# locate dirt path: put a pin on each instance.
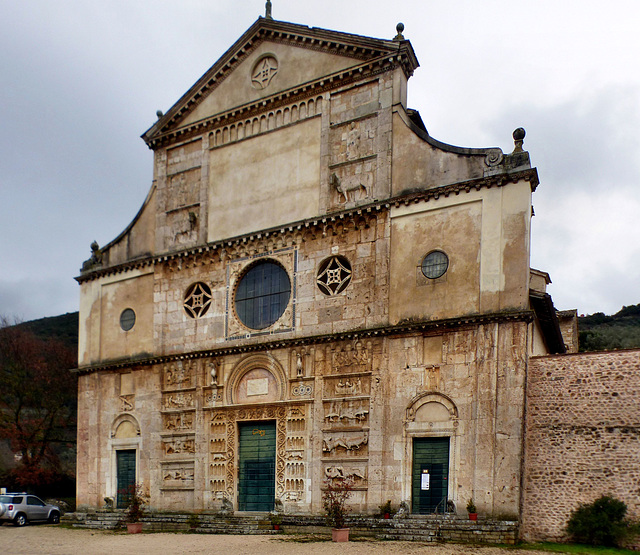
(55, 540)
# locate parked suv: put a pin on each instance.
(21, 508)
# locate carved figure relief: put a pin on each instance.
(213, 372)
(177, 401)
(178, 421)
(347, 442)
(349, 386)
(179, 446)
(179, 375)
(352, 358)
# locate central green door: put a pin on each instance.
(257, 466)
(126, 476)
(430, 480)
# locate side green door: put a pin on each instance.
(257, 466)
(430, 479)
(126, 475)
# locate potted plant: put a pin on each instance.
(385, 510)
(471, 509)
(135, 510)
(276, 520)
(334, 498)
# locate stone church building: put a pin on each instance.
(314, 289)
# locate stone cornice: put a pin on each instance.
(292, 233)
(403, 328)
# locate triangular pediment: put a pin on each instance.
(271, 60)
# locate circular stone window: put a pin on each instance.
(264, 70)
(334, 275)
(435, 264)
(262, 295)
(197, 300)
(127, 319)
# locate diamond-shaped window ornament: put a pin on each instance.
(197, 300)
(334, 275)
(263, 72)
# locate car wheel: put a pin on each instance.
(20, 520)
(54, 517)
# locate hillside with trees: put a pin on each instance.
(599, 332)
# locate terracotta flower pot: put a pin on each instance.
(473, 516)
(134, 527)
(340, 534)
(387, 515)
(276, 527)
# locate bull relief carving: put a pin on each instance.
(346, 443)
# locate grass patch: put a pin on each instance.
(574, 548)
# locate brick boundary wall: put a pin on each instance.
(582, 437)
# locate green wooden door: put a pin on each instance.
(126, 475)
(257, 466)
(430, 480)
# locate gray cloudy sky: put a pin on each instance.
(81, 80)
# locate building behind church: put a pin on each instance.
(314, 289)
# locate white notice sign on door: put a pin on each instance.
(424, 483)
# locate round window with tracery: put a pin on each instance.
(197, 300)
(334, 275)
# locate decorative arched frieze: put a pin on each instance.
(258, 378)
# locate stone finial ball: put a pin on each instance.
(518, 134)
(400, 27)
(159, 113)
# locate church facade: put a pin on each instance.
(314, 290)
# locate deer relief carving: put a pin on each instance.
(349, 188)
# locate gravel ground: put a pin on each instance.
(56, 540)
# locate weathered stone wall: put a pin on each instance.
(582, 437)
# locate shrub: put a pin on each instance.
(334, 498)
(600, 523)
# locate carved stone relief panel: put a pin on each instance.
(184, 189)
(346, 413)
(183, 445)
(179, 375)
(126, 402)
(356, 472)
(351, 358)
(301, 363)
(301, 389)
(346, 443)
(349, 386)
(179, 421)
(178, 400)
(295, 467)
(218, 453)
(179, 475)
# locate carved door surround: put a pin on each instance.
(124, 435)
(431, 414)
